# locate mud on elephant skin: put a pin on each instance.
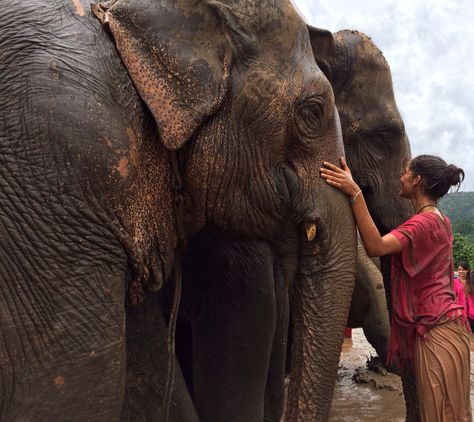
(97, 134)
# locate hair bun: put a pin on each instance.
(453, 175)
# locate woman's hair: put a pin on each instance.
(436, 175)
(465, 265)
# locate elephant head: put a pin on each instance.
(243, 107)
(375, 140)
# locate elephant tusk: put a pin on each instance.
(310, 230)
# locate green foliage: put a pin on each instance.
(459, 207)
(463, 250)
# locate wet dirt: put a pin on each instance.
(367, 395)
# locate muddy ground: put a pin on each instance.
(365, 395)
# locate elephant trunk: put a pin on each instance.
(369, 305)
(320, 304)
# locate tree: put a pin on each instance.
(463, 250)
(466, 228)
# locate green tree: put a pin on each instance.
(463, 250)
(466, 228)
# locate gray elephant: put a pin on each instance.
(225, 277)
(377, 149)
(117, 149)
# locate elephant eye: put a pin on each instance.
(389, 136)
(309, 117)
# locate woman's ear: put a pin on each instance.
(417, 180)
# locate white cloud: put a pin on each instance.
(430, 48)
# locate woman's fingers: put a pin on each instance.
(330, 166)
(344, 164)
(339, 178)
(334, 183)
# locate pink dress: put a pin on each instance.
(469, 306)
(467, 300)
(459, 292)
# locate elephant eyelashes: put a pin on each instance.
(309, 117)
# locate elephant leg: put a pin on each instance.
(275, 388)
(147, 366)
(233, 328)
(411, 398)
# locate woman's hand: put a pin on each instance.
(340, 178)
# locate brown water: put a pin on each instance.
(379, 400)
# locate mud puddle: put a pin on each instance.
(375, 397)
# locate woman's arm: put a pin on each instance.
(375, 245)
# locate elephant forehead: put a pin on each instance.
(263, 83)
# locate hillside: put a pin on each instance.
(459, 207)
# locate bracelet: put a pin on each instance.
(353, 199)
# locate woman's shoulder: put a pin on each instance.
(430, 218)
(424, 225)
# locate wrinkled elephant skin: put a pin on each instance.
(118, 140)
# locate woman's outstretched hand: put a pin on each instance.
(340, 178)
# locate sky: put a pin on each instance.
(429, 46)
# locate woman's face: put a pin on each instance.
(462, 273)
(406, 182)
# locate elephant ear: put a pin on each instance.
(177, 56)
(324, 49)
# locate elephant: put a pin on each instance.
(369, 305)
(125, 129)
(376, 145)
(377, 149)
(224, 297)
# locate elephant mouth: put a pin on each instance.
(288, 187)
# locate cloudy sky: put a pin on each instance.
(429, 46)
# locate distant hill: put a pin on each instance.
(459, 207)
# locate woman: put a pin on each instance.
(466, 281)
(428, 329)
(459, 291)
